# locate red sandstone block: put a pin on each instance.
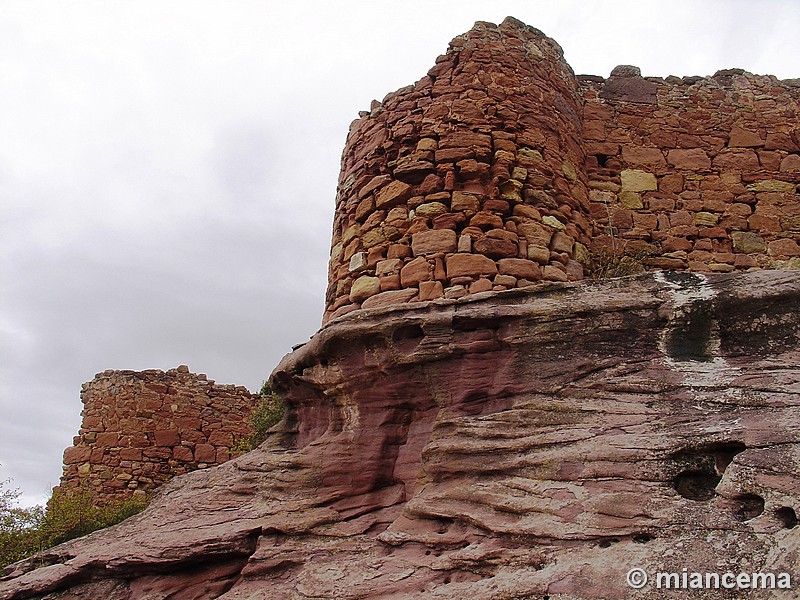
(433, 241)
(660, 203)
(785, 247)
(494, 247)
(472, 265)
(130, 454)
(416, 271)
(167, 437)
(744, 138)
(712, 232)
(393, 194)
(430, 290)
(520, 268)
(694, 159)
(780, 141)
(77, 454)
(621, 217)
(736, 160)
(639, 156)
(107, 439)
(222, 455)
(220, 438)
(205, 453)
(182, 453)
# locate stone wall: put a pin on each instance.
(500, 169)
(142, 428)
(700, 172)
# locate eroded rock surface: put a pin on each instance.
(528, 443)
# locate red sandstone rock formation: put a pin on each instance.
(140, 429)
(515, 443)
(505, 445)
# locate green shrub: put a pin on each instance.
(268, 414)
(70, 513)
(20, 533)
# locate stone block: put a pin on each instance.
(520, 268)
(785, 247)
(694, 159)
(205, 453)
(486, 220)
(638, 156)
(495, 247)
(433, 241)
(429, 210)
(465, 202)
(551, 273)
(389, 298)
(772, 185)
(416, 271)
(364, 287)
(561, 242)
(634, 180)
(430, 290)
(472, 265)
(393, 194)
(77, 454)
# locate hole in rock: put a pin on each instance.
(443, 525)
(787, 517)
(696, 485)
(407, 337)
(748, 506)
(700, 469)
(607, 542)
(724, 454)
(601, 159)
(642, 538)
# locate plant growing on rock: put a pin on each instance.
(69, 513)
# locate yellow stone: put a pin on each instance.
(630, 200)
(634, 180)
(553, 222)
(772, 185)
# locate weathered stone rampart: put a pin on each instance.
(500, 169)
(140, 429)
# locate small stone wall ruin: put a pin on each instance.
(500, 168)
(140, 429)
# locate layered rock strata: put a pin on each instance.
(500, 168)
(517, 444)
(141, 428)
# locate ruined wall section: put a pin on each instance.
(501, 169)
(470, 180)
(140, 429)
(701, 173)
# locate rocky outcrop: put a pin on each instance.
(535, 442)
(141, 428)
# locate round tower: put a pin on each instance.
(469, 180)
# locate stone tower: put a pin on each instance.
(468, 181)
(501, 169)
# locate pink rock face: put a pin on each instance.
(512, 444)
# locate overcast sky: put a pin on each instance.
(168, 169)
